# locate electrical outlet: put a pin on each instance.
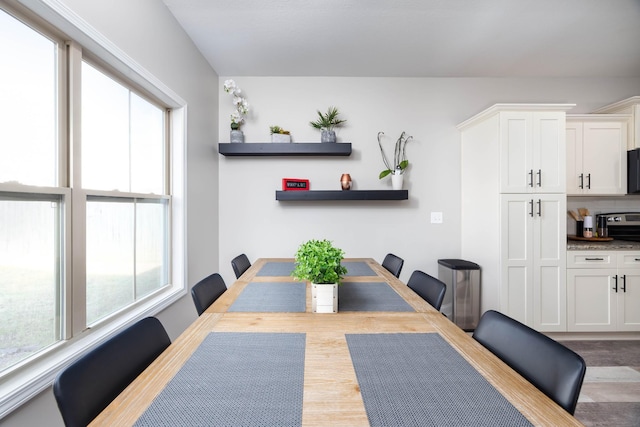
(436, 217)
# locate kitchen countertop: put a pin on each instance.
(614, 245)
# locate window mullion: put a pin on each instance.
(75, 313)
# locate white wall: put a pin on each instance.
(252, 221)
(148, 33)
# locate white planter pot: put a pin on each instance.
(324, 298)
(280, 137)
(397, 180)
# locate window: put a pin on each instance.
(91, 195)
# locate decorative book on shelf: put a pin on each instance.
(285, 149)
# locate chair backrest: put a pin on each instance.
(553, 368)
(89, 384)
(393, 264)
(206, 291)
(240, 264)
(428, 287)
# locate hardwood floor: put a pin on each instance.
(610, 395)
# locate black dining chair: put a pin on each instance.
(206, 291)
(88, 385)
(428, 287)
(553, 368)
(393, 264)
(240, 264)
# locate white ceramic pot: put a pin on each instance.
(328, 136)
(237, 136)
(279, 137)
(397, 180)
(324, 298)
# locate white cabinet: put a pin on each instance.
(522, 256)
(532, 148)
(629, 106)
(603, 291)
(596, 154)
(533, 270)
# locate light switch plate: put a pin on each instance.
(436, 217)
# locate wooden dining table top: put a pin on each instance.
(332, 394)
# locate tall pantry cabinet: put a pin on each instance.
(513, 188)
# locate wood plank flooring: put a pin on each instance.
(610, 395)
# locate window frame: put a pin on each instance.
(52, 18)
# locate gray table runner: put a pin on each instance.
(283, 297)
(373, 296)
(235, 379)
(420, 380)
(354, 268)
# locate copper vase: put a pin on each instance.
(345, 181)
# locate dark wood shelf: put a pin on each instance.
(285, 149)
(342, 195)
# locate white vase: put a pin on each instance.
(324, 298)
(237, 136)
(397, 180)
(280, 138)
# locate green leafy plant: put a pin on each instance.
(400, 161)
(328, 121)
(278, 130)
(318, 261)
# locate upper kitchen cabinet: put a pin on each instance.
(597, 154)
(532, 146)
(627, 106)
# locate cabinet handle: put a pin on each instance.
(594, 259)
(581, 181)
(539, 207)
(531, 208)
(615, 279)
(531, 178)
(624, 283)
(589, 181)
(539, 177)
(637, 259)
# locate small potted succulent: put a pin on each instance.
(279, 135)
(326, 123)
(319, 262)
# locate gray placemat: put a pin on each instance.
(420, 380)
(235, 379)
(272, 297)
(276, 269)
(373, 296)
(354, 268)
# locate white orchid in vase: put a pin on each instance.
(400, 161)
(240, 103)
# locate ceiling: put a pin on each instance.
(415, 38)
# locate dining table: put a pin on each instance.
(260, 356)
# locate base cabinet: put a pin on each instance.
(603, 291)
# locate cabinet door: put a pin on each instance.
(604, 158)
(549, 263)
(516, 221)
(628, 300)
(592, 303)
(549, 152)
(516, 154)
(574, 158)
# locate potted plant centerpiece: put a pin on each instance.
(241, 110)
(319, 262)
(279, 135)
(326, 123)
(400, 162)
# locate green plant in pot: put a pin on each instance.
(326, 123)
(318, 261)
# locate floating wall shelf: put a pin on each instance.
(342, 195)
(285, 149)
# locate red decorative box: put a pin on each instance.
(295, 184)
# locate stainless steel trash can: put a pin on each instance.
(462, 298)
